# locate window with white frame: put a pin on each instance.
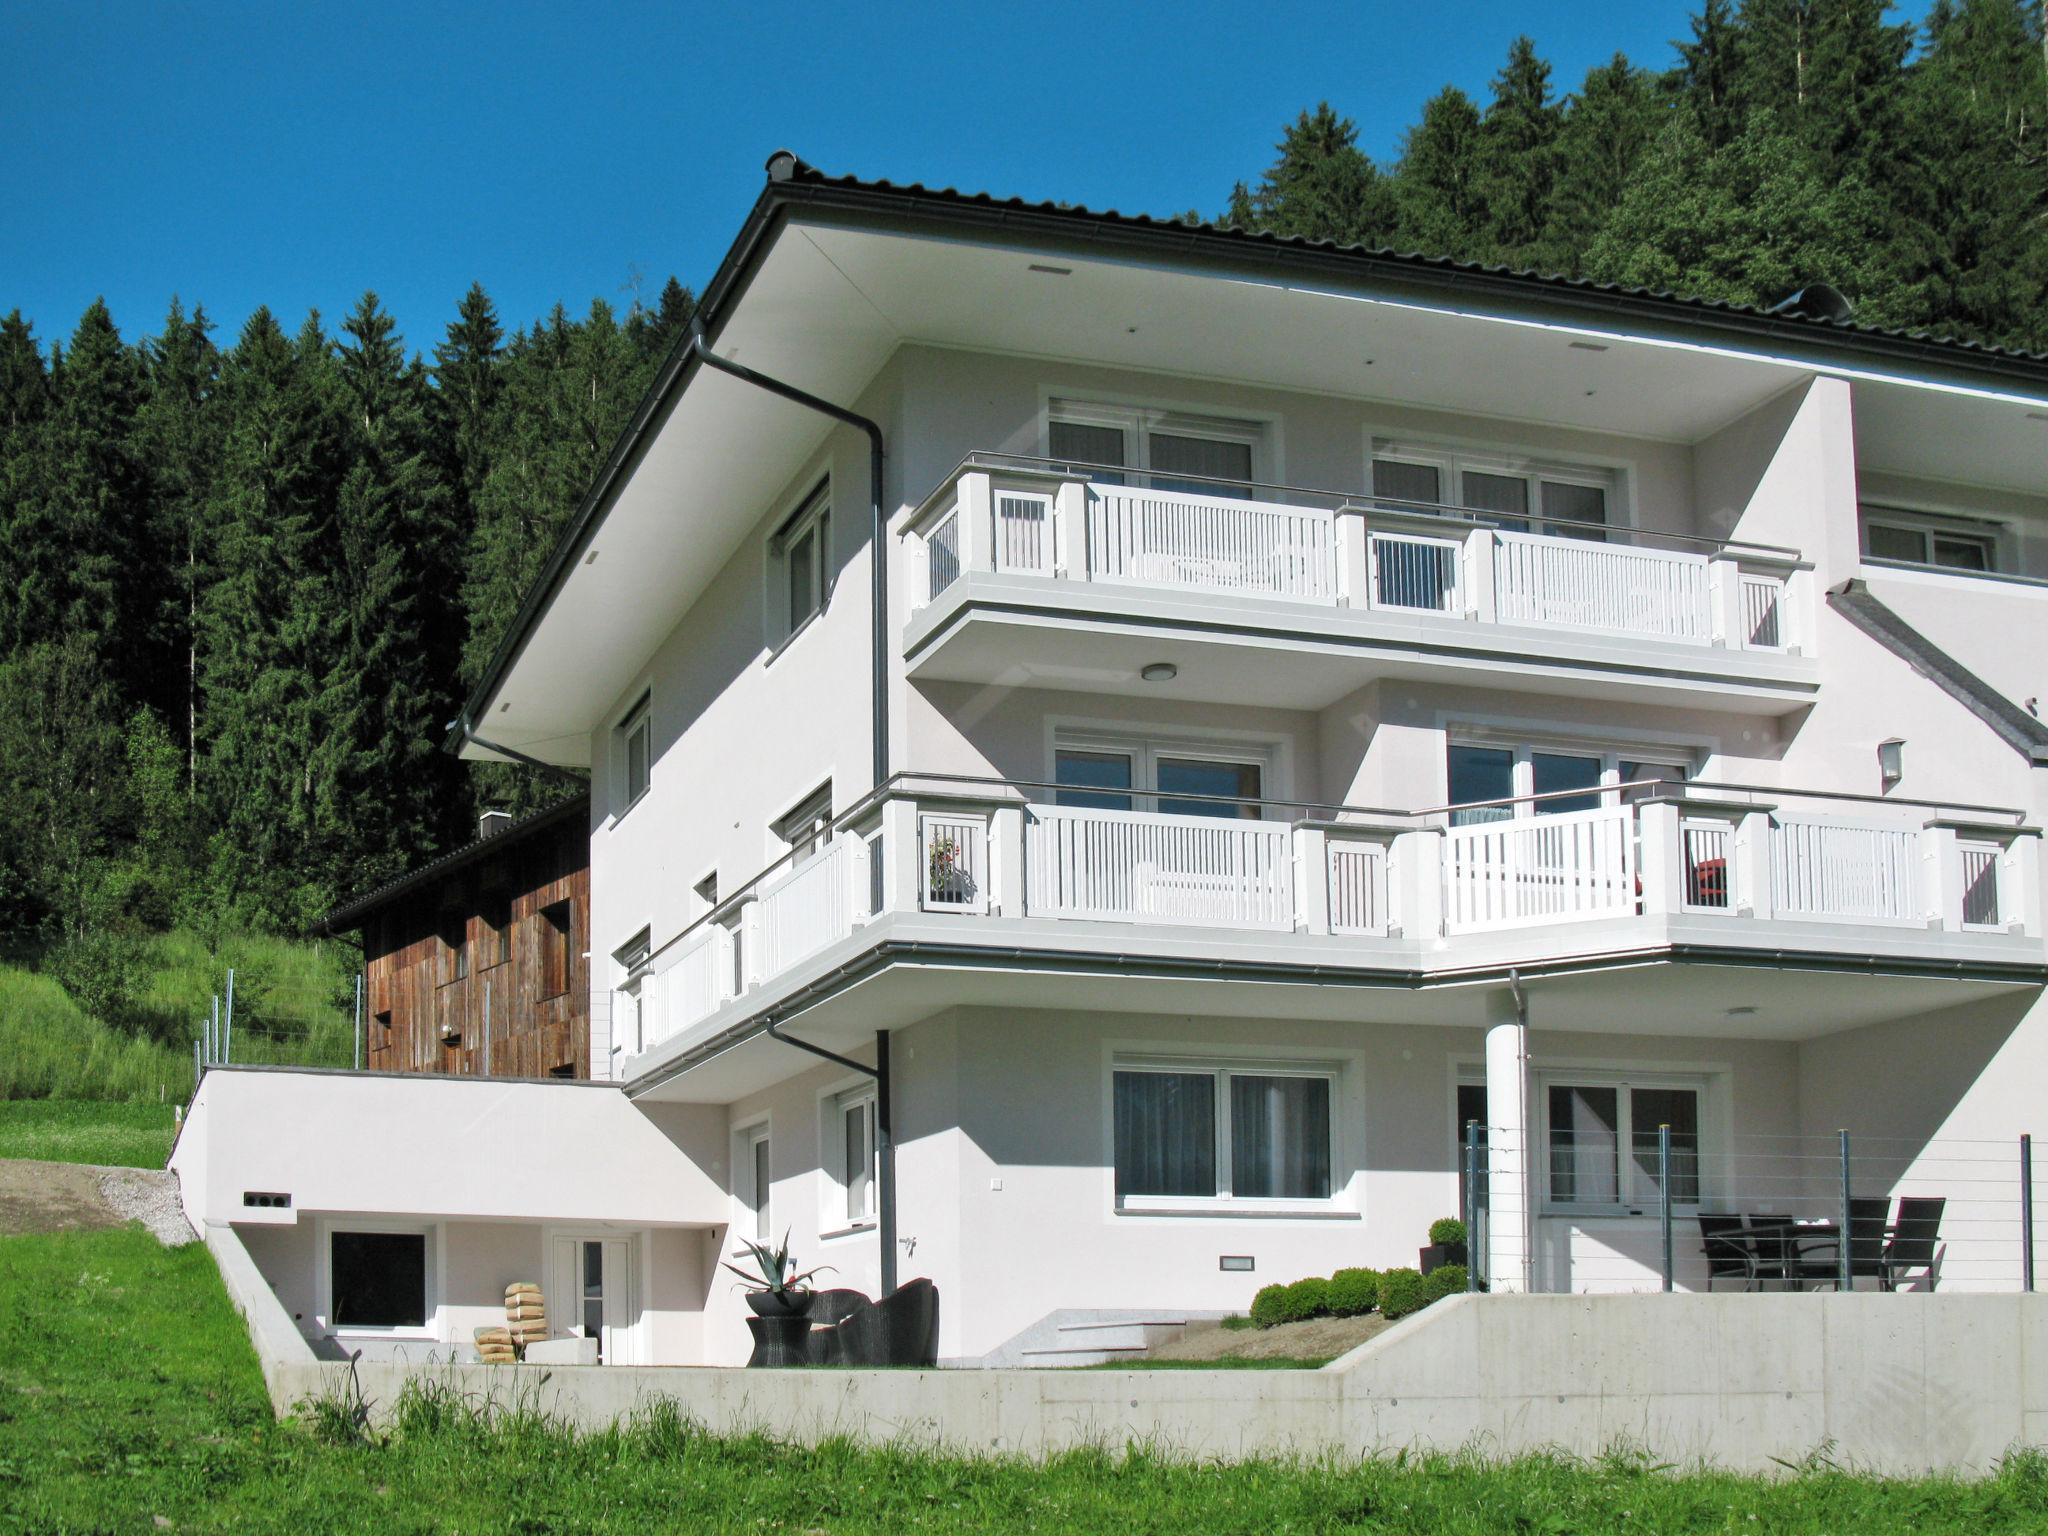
(1574, 778)
(1167, 450)
(379, 1279)
(634, 736)
(706, 892)
(1187, 1130)
(1178, 778)
(1601, 1136)
(803, 827)
(852, 1138)
(800, 557)
(755, 1181)
(1927, 538)
(628, 1020)
(1518, 495)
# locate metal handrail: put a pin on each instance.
(1446, 511)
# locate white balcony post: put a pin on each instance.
(1478, 574)
(1312, 880)
(1006, 860)
(1660, 857)
(1070, 530)
(902, 859)
(721, 964)
(1941, 870)
(977, 522)
(1415, 885)
(1726, 581)
(1750, 894)
(1508, 1202)
(750, 945)
(2019, 886)
(1354, 561)
(1795, 610)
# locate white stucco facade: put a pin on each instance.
(1775, 946)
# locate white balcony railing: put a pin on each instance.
(1684, 856)
(1392, 560)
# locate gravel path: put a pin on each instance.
(150, 1196)
(77, 1197)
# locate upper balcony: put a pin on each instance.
(1071, 576)
(1834, 909)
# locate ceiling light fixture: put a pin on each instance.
(591, 558)
(1160, 672)
(1589, 346)
(1742, 1010)
(1050, 271)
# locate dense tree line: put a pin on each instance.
(249, 581)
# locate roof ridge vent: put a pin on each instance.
(1816, 301)
(783, 165)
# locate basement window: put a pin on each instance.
(377, 1281)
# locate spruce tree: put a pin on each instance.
(1706, 76)
(1608, 127)
(1517, 160)
(1323, 186)
(1438, 209)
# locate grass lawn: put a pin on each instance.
(128, 1392)
(86, 1131)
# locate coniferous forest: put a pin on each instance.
(250, 577)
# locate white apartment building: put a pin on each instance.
(1093, 816)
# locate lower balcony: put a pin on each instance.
(1835, 910)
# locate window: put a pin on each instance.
(1577, 780)
(377, 1280)
(802, 830)
(629, 1023)
(1171, 452)
(707, 891)
(1179, 779)
(855, 1153)
(1603, 1143)
(555, 952)
(755, 1174)
(1199, 1132)
(1923, 538)
(1517, 495)
(801, 555)
(454, 946)
(633, 735)
(1471, 1107)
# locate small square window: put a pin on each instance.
(802, 830)
(378, 1279)
(707, 890)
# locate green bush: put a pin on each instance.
(1308, 1298)
(1446, 1229)
(1444, 1280)
(1269, 1306)
(1354, 1292)
(1401, 1292)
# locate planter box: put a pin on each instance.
(1436, 1255)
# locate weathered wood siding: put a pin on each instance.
(509, 1018)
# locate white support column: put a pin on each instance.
(1312, 880)
(977, 523)
(1478, 574)
(1726, 581)
(1006, 860)
(1415, 885)
(2019, 886)
(1354, 570)
(1509, 1202)
(750, 945)
(1070, 530)
(902, 874)
(1941, 874)
(1751, 895)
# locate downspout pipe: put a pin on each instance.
(885, 1139)
(878, 663)
(461, 726)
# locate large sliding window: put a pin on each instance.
(1172, 451)
(1573, 779)
(1177, 778)
(1602, 1140)
(1515, 494)
(1207, 1131)
(1930, 539)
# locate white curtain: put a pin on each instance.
(1280, 1137)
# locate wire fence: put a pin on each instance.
(1605, 1208)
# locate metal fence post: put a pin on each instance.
(1843, 1279)
(1664, 1195)
(227, 1032)
(1471, 1205)
(2026, 1213)
(198, 1065)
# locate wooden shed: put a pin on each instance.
(477, 963)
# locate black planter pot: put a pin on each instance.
(1436, 1255)
(780, 1303)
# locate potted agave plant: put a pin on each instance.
(778, 1288)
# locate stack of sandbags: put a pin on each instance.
(526, 1316)
(494, 1346)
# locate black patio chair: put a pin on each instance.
(835, 1306)
(1775, 1244)
(1868, 1215)
(1730, 1255)
(900, 1329)
(1914, 1237)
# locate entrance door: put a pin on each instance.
(593, 1293)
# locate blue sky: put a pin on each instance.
(296, 154)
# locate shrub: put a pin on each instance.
(1354, 1292)
(1446, 1229)
(1308, 1298)
(1401, 1292)
(1237, 1322)
(1444, 1280)
(1269, 1306)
